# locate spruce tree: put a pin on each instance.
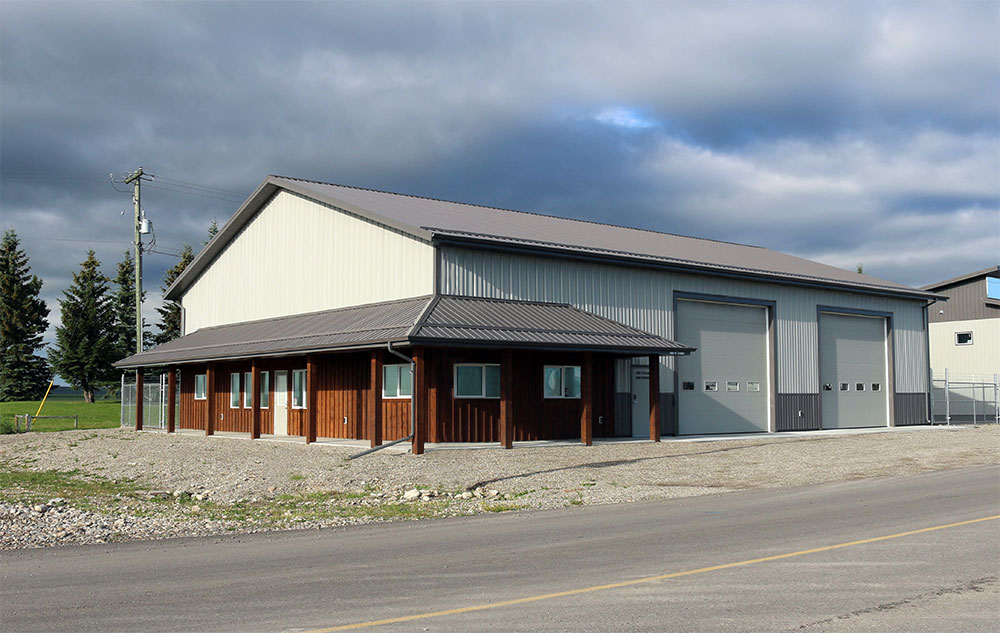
(123, 305)
(85, 348)
(170, 312)
(24, 375)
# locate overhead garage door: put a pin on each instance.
(722, 387)
(852, 371)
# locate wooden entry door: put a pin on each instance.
(281, 403)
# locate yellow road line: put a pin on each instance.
(639, 581)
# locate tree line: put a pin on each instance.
(97, 325)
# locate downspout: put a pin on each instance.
(413, 398)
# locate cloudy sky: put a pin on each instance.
(846, 132)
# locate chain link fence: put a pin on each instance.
(154, 402)
(965, 399)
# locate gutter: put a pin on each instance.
(413, 399)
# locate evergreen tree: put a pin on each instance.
(123, 305)
(170, 312)
(24, 375)
(85, 347)
(213, 228)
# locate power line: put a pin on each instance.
(196, 185)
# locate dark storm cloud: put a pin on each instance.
(845, 132)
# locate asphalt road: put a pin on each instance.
(456, 571)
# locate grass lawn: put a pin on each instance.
(103, 414)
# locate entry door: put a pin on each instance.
(640, 401)
(852, 371)
(281, 403)
(723, 386)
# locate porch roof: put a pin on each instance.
(432, 320)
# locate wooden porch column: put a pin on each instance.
(654, 398)
(587, 397)
(171, 397)
(506, 399)
(138, 399)
(310, 399)
(210, 399)
(420, 397)
(255, 403)
(375, 400)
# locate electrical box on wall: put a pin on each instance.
(145, 226)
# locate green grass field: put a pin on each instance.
(103, 414)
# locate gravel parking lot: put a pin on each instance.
(116, 484)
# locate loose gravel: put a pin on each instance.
(153, 485)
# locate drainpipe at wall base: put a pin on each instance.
(413, 397)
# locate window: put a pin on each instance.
(248, 390)
(298, 389)
(859, 387)
(963, 338)
(687, 386)
(876, 386)
(845, 386)
(732, 385)
(477, 381)
(993, 287)
(755, 386)
(562, 381)
(397, 381)
(711, 385)
(265, 390)
(200, 386)
(234, 391)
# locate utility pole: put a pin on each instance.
(136, 179)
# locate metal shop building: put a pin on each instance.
(324, 310)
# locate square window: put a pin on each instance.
(827, 387)
(963, 338)
(753, 385)
(687, 386)
(562, 381)
(859, 387)
(876, 386)
(475, 380)
(397, 381)
(845, 386)
(711, 385)
(299, 389)
(732, 385)
(234, 391)
(200, 386)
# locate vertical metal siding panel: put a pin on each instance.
(294, 245)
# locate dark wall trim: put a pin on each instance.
(791, 405)
(911, 409)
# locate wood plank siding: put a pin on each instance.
(343, 404)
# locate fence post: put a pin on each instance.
(27, 423)
(947, 400)
(996, 398)
(76, 421)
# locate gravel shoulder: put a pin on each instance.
(110, 485)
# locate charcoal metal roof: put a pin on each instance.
(429, 320)
(992, 271)
(453, 222)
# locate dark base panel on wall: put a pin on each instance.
(910, 409)
(669, 418)
(797, 412)
(623, 415)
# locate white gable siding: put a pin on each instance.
(643, 298)
(299, 256)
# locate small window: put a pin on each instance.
(876, 386)
(477, 380)
(963, 338)
(561, 381)
(200, 386)
(859, 387)
(265, 390)
(687, 386)
(397, 381)
(753, 386)
(234, 391)
(732, 385)
(247, 390)
(845, 386)
(993, 287)
(827, 387)
(711, 385)
(299, 389)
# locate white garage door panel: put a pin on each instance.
(852, 372)
(732, 348)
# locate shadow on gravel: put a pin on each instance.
(624, 462)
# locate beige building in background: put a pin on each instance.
(964, 332)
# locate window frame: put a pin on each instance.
(305, 389)
(235, 396)
(971, 340)
(482, 387)
(562, 382)
(265, 390)
(248, 390)
(398, 368)
(203, 379)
